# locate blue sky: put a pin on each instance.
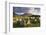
(21, 9)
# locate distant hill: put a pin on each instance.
(27, 14)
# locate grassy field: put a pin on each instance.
(26, 21)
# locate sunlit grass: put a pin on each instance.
(26, 21)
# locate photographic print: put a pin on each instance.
(26, 17)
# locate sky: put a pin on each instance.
(22, 10)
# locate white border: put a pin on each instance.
(10, 21)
